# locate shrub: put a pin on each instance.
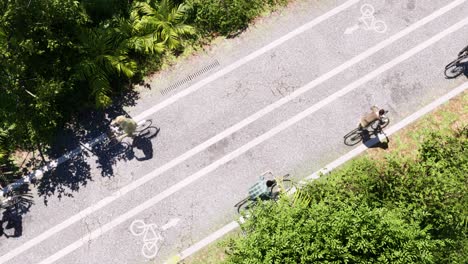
(227, 16)
(401, 211)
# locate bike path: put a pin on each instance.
(152, 191)
(233, 180)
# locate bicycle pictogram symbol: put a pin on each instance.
(369, 21)
(151, 233)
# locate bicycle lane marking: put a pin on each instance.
(325, 170)
(121, 192)
(152, 235)
(260, 139)
(140, 117)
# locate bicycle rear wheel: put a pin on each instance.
(384, 122)
(10, 201)
(284, 187)
(380, 123)
(353, 139)
(452, 70)
(244, 205)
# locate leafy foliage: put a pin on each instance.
(60, 57)
(405, 211)
(228, 16)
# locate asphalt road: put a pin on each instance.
(282, 97)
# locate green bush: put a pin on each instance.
(227, 16)
(402, 211)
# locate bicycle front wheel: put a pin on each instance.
(353, 139)
(384, 122)
(278, 188)
(143, 126)
(453, 70)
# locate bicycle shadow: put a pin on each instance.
(11, 223)
(143, 143)
(463, 64)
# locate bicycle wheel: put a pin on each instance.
(384, 122)
(149, 132)
(138, 227)
(278, 188)
(245, 205)
(10, 201)
(144, 125)
(452, 70)
(380, 123)
(353, 139)
(150, 249)
(367, 10)
(380, 26)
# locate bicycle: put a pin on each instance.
(369, 21)
(151, 237)
(356, 135)
(456, 68)
(265, 190)
(116, 136)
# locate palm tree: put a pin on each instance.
(103, 59)
(162, 22)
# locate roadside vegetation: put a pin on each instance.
(63, 57)
(408, 205)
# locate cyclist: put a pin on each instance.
(260, 189)
(368, 118)
(126, 124)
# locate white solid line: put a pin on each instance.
(256, 141)
(191, 89)
(220, 136)
(246, 59)
(327, 169)
(209, 239)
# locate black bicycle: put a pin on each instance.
(114, 142)
(457, 67)
(356, 136)
(265, 189)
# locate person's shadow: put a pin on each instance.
(143, 143)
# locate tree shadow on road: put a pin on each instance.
(76, 172)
